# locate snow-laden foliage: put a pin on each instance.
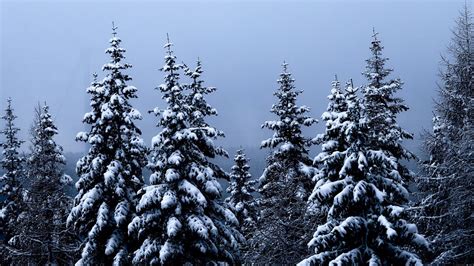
(180, 217)
(286, 181)
(241, 187)
(241, 200)
(40, 235)
(289, 146)
(195, 101)
(110, 174)
(332, 141)
(10, 190)
(446, 204)
(365, 222)
(381, 106)
(10, 187)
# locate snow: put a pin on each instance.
(378, 194)
(95, 139)
(197, 226)
(193, 194)
(121, 212)
(175, 158)
(329, 145)
(82, 136)
(286, 147)
(212, 187)
(391, 233)
(306, 170)
(329, 188)
(171, 175)
(173, 226)
(421, 241)
(112, 243)
(169, 200)
(66, 180)
(107, 114)
(395, 211)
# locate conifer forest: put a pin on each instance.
(160, 185)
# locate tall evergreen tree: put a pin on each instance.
(180, 218)
(446, 204)
(364, 222)
(111, 172)
(381, 106)
(241, 187)
(286, 181)
(41, 236)
(198, 108)
(10, 185)
(241, 201)
(332, 141)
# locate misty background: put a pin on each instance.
(49, 50)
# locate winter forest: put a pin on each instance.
(352, 193)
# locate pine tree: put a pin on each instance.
(446, 205)
(241, 187)
(381, 106)
(286, 181)
(364, 222)
(332, 141)
(41, 236)
(11, 189)
(241, 201)
(111, 172)
(290, 144)
(180, 218)
(197, 106)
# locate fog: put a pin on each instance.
(49, 51)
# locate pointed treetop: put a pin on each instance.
(168, 44)
(374, 34)
(335, 77)
(114, 29)
(9, 100)
(285, 67)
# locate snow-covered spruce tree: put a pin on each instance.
(241, 187)
(281, 233)
(40, 234)
(381, 107)
(445, 203)
(332, 141)
(111, 172)
(241, 201)
(11, 204)
(180, 218)
(198, 108)
(364, 221)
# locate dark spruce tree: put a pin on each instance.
(180, 217)
(282, 227)
(40, 235)
(364, 223)
(110, 174)
(381, 107)
(446, 204)
(241, 187)
(241, 200)
(11, 204)
(333, 143)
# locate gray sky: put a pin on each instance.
(50, 49)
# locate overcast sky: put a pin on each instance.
(49, 51)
